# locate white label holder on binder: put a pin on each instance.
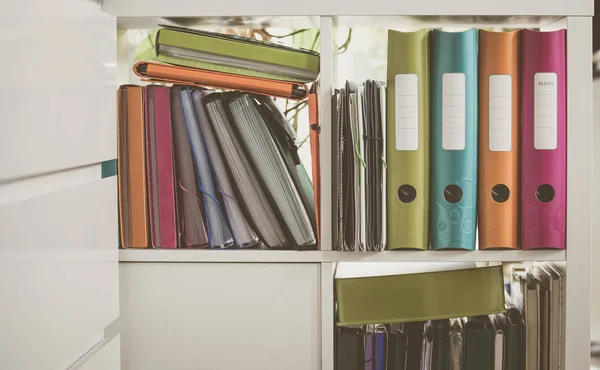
(407, 111)
(500, 113)
(453, 111)
(545, 116)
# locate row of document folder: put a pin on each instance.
(199, 168)
(468, 134)
(526, 334)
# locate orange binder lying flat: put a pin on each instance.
(499, 113)
(157, 72)
(315, 130)
(131, 162)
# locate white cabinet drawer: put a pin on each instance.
(58, 275)
(189, 316)
(58, 96)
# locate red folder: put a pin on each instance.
(159, 161)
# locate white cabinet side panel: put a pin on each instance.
(579, 192)
(106, 358)
(190, 316)
(58, 275)
(59, 80)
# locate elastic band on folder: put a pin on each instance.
(183, 206)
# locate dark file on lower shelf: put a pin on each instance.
(350, 349)
(479, 350)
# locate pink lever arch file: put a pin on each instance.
(161, 184)
(543, 140)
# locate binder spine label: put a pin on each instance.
(545, 116)
(453, 111)
(500, 113)
(407, 112)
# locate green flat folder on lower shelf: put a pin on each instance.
(420, 296)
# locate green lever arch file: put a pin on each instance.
(408, 140)
(420, 296)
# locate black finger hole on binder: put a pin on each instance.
(545, 193)
(407, 193)
(500, 193)
(453, 193)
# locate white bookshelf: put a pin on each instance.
(51, 183)
(260, 256)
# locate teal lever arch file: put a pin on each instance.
(454, 139)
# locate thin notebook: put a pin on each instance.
(219, 233)
(193, 231)
(246, 182)
(243, 232)
(159, 162)
(133, 210)
(265, 158)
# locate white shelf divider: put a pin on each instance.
(265, 256)
(325, 93)
(579, 191)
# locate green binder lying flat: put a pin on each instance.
(244, 54)
(420, 296)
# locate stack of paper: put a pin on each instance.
(359, 120)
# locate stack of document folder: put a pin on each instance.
(199, 168)
(527, 335)
(466, 139)
(360, 123)
(209, 59)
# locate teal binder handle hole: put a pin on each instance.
(545, 193)
(407, 193)
(500, 193)
(453, 193)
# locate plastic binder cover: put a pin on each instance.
(243, 233)
(543, 157)
(192, 225)
(236, 54)
(408, 140)
(219, 232)
(461, 290)
(265, 158)
(133, 210)
(454, 139)
(479, 344)
(499, 146)
(159, 161)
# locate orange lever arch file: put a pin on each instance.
(499, 113)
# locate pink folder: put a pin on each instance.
(159, 160)
(543, 140)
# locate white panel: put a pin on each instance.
(595, 296)
(580, 136)
(407, 111)
(328, 232)
(108, 357)
(500, 113)
(327, 317)
(453, 111)
(188, 316)
(58, 95)
(58, 275)
(133, 8)
(545, 116)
